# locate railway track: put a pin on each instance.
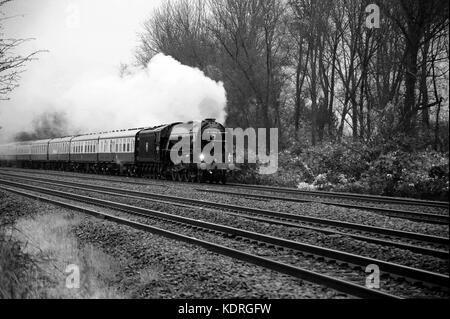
(300, 273)
(352, 196)
(395, 270)
(285, 219)
(411, 215)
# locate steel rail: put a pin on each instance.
(353, 196)
(422, 217)
(397, 270)
(286, 219)
(300, 273)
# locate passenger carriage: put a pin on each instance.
(116, 151)
(23, 154)
(59, 152)
(39, 153)
(7, 154)
(83, 152)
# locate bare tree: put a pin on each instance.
(418, 21)
(11, 63)
(313, 65)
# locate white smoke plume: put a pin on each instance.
(165, 91)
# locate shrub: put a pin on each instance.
(395, 167)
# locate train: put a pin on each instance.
(139, 152)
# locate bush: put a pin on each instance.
(18, 271)
(395, 167)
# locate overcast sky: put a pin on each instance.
(81, 35)
(87, 40)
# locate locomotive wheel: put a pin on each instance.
(224, 178)
(192, 176)
(185, 175)
(203, 178)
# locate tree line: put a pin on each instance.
(313, 68)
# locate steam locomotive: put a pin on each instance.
(142, 152)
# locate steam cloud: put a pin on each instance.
(46, 125)
(165, 91)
